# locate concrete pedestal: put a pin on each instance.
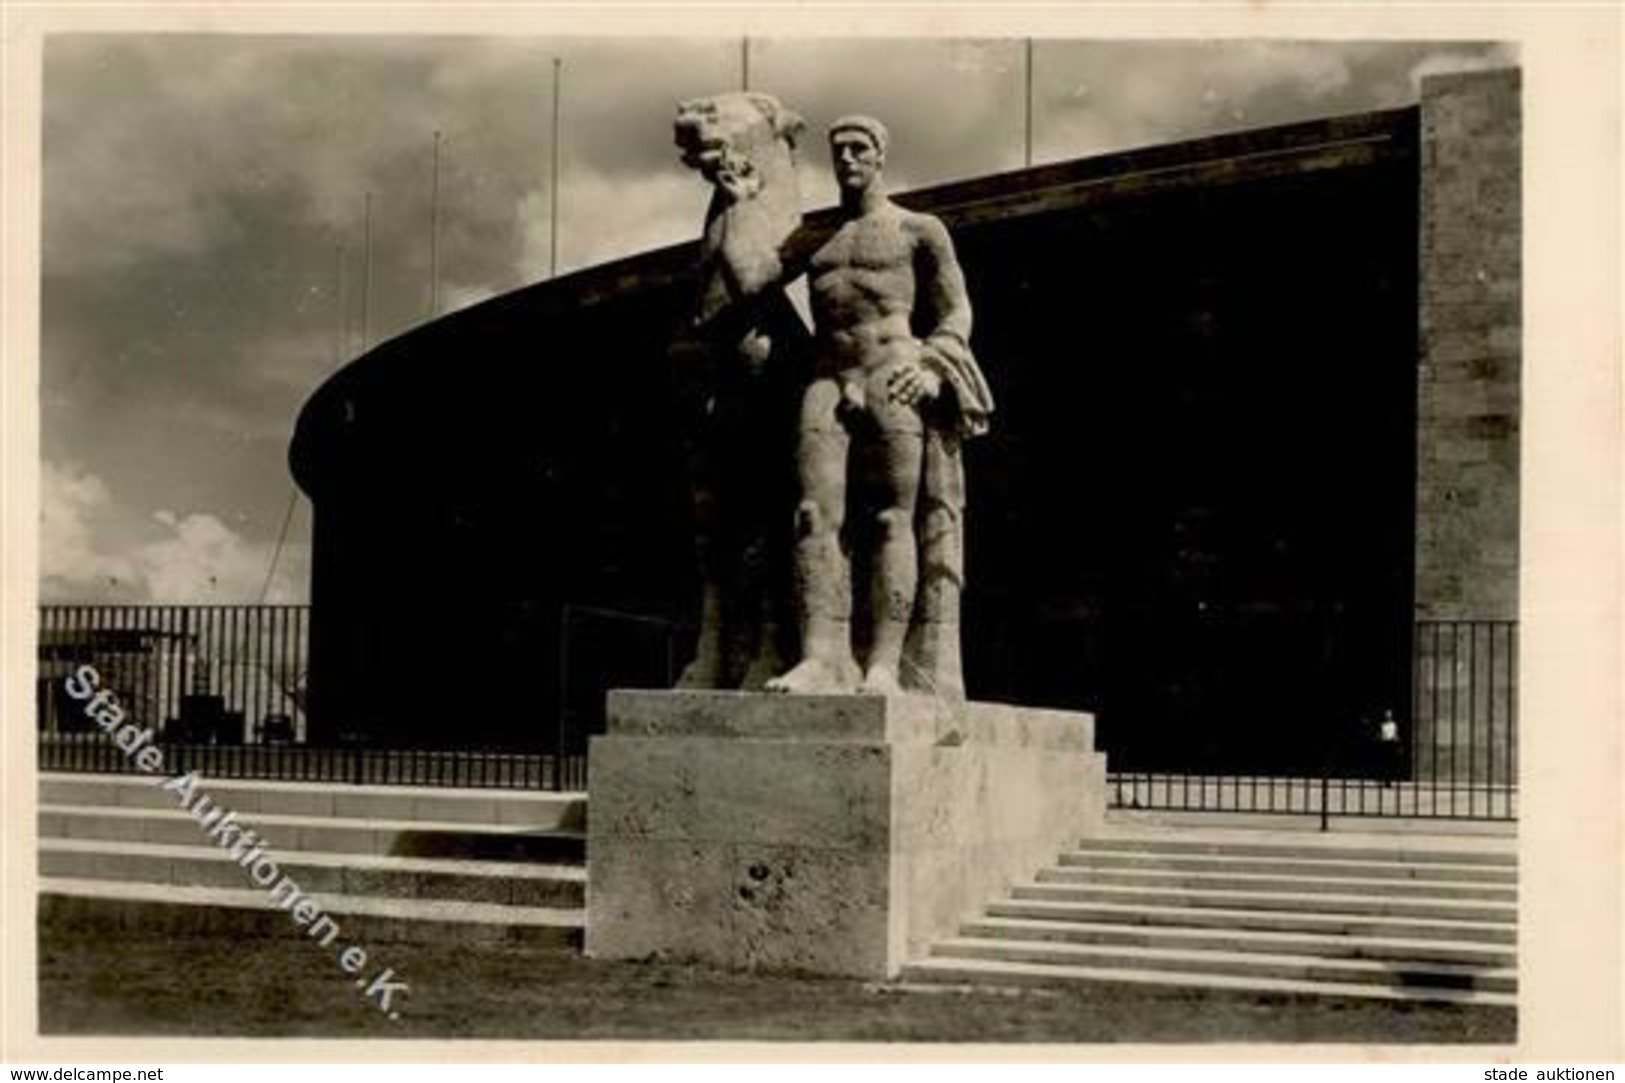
(830, 834)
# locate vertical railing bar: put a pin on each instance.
(46, 650)
(172, 652)
(183, 663)
(299, 678)
(270, 630)
(270, 677)
(288, 674)
(149, 658)
(241, 677)
(1509, 707)
(166, 668)
(117, 658)
(1416, 714)
(1472, 718)
(93, 621)
(129, 619)
(1438, 695)
(1491, 736)
(258, 620)
(236, 643)
(138, 680)
(1455, 709)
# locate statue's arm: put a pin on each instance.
(946, 330)
(941, 282)
(795, 255)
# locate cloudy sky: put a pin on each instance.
(203, 220)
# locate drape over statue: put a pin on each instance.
(888, 391)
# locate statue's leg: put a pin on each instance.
(898, 450)
(931, 655)
(931, 659)
(823, 573)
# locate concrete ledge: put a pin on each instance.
(830, 834)
(844, 718)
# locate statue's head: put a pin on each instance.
(727, 137)
(857, 149)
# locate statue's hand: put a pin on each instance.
(913, 384)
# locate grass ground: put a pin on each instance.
(157, 984)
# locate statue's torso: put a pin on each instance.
(861, 284)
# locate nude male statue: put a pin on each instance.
(880, 421)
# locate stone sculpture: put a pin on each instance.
(873, 411)
(878, 455)
(742, 359)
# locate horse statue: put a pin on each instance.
(742, 358)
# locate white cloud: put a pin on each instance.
(199, 558)
(605, 217)
(194, 557)
(73, 503)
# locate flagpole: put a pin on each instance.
(553, 227)
(366, 276)
(434, 230)
(1029, 101)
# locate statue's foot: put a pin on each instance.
(881, 680)
(813, 676)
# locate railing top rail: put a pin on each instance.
(157, 607)
(1496, 622)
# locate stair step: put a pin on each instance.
(528, 808)
(1257, 882)
(1498, 854)
(1317, 866)
(1240, 940)
(110, 905)
(982, 972)
(1244, 900)
(330, 834)
(1405, 974)
(505, 883)
(1130, 914)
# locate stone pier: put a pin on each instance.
(828, 834)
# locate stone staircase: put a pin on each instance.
(1431, 917)
(389, 863)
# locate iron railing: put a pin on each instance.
(224, 691)
(201, 674)
(1453, 755)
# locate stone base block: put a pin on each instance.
(829, 834)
